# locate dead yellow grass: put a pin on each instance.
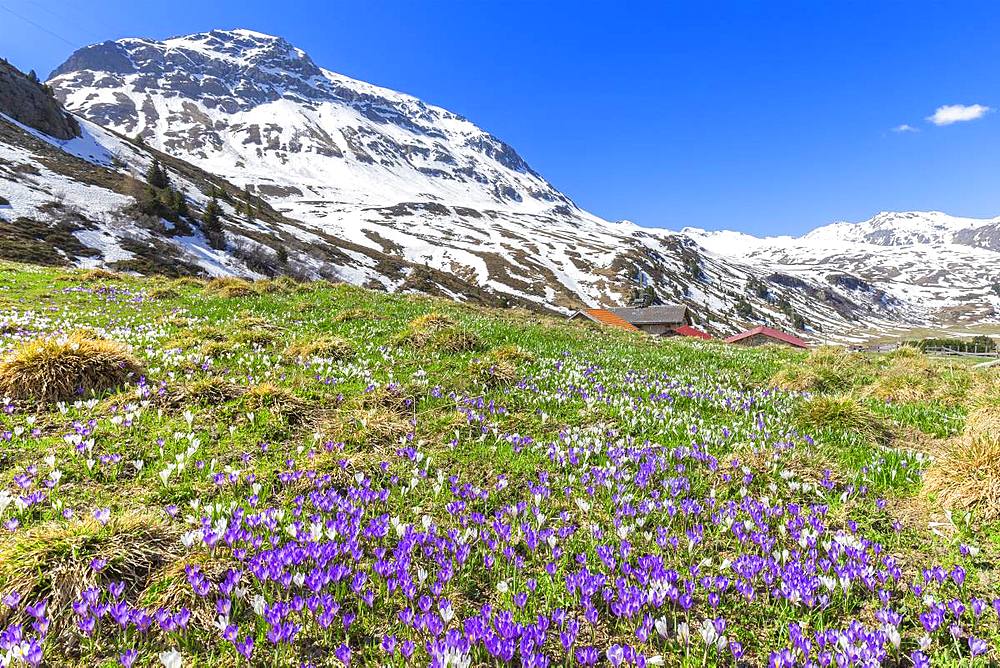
(209, 333)
(212, 390)
(437, 332)
(92, 275)
(256, 337)
(281, 284)
(500, 366)
(986, 388)
(276, 400)
(189, 281)
(966, 477)
(376, 424)
(420, 330)
(842, 412)
(53, 561)
(218, 348)
(374, 419)
(231, 287)
(329, 347)
(825, 369)
(983, 422)
(914, 377)
(353, 314)
(164, 293)
(61, 368)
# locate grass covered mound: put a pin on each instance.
(321, 475)
(966, 475)
(60, 562)
(58, 368)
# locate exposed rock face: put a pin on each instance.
(28, 102)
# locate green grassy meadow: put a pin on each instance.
(316, 474)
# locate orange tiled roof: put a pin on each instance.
(606, 317)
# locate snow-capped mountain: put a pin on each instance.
(72, 192)
(253, 106)
(351, 165)
(938, 268)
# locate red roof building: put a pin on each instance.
(688, 330)
(758, 336)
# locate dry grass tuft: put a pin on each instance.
(231, 287)
(209, 333)
(986, 388)
(280, 285)
(53, 561)
(328, 347)
(55, 369)
(910, 378)
(377, 418)
(826, 369)
(455, 340)
(212, 390)
(421, 330)
(276, 400)
(247, 320)
(437, 332)
(189, 281)
(164, 293)
(983, 422)
(256, 337)
(431, 322)
(218, 348)
(500, 366)
(966, 477)
(905, 352)
(93, 275)
(376, 424)
(841, 413)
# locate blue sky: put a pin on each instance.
(767, 117)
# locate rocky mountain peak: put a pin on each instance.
(262, 111)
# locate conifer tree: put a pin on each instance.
(156, 177)
(179, 203)
(211, 225)
(282, 256)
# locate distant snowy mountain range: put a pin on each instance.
(377, 187)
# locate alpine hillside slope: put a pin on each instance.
(72, 192)
(394, 174)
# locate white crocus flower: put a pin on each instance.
(171, 659)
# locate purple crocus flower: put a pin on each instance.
(128, 658)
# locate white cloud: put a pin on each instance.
(905, 127)
(956, 113)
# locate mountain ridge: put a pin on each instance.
(385, 171)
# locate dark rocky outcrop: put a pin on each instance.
(29, 103)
